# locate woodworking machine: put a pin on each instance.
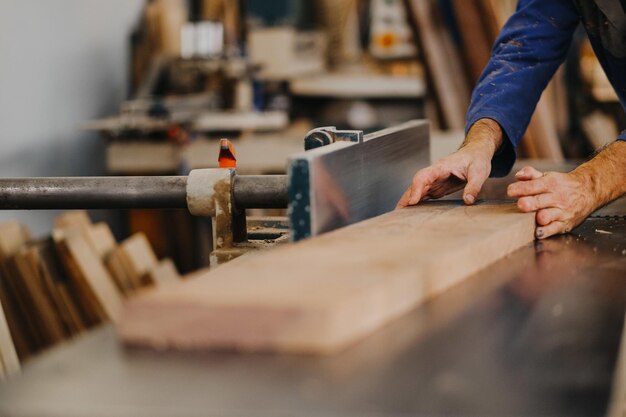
(537, 333)
(342, 177)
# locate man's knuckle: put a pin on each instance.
(526, 203)
(419, 177)
(542, 217)
(550, 182)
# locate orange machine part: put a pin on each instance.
(227, 157)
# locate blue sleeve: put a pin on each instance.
(530, 48)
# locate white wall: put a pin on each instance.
(61, 62)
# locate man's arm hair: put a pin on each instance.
(605, 173)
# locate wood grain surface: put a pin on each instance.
(101, 300)
(9, 362)
(322, 294)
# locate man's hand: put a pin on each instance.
(468, 167)
(562, 201)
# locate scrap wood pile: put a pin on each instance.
(55, 288)
(455, 38)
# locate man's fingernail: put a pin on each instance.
(539, 233)
(469, 199)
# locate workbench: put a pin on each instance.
(537, 333)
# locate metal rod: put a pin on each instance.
(260, 191)
(254, 191)
(93, 193)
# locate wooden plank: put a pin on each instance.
(101, 239)
(441, 60)
(98, 236)
(320, 295)
(13, 236)
(542, 132)
(25, 322)
(19, 334)
(9, 362)
(54, 282)
(70, 219)
(72, 313)
(100, 299)
(475, 36)
(123, 281)
(137, 258)
(37, 298)
(164, 273)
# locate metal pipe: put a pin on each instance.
(254, 191)
(260, 191)
(93, 193)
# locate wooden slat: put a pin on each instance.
(444, 72)
(137, 258)
(73, 219)
(543, 133)
(321, 294)
(9, 362)
(101, 239)
(100, 299)
(19, 333)
(164, 273)
(98, 236)
(13, 236)
(37, 296)
(134, 266)
(123, 281)
(54, 282)
(23, 329)
(475, 36)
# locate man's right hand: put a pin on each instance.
(467, 168)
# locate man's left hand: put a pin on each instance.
(561, 201)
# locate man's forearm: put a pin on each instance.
(486, 133)
(605, 174)
(532, 45)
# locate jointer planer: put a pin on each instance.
(342, 177)
(537, 333)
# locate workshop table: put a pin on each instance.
(536, 334)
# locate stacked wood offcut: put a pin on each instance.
(54, 288)
(455, 39)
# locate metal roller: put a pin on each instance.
(68, 193)
(260, 191)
